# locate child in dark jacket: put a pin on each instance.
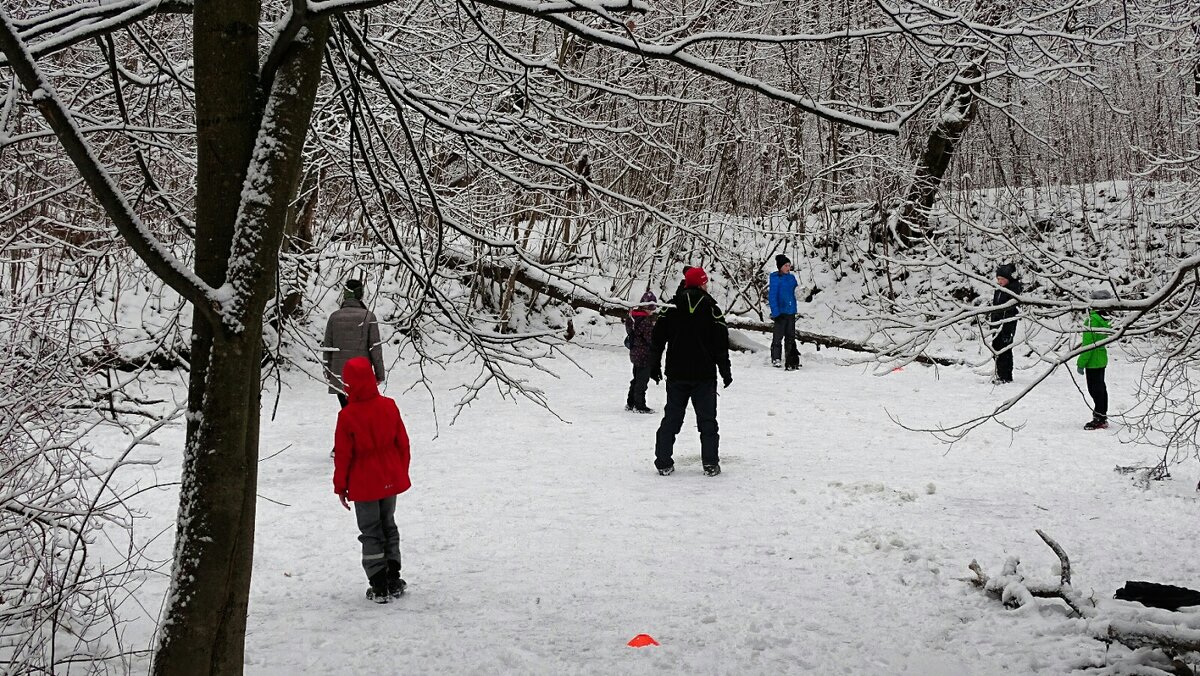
(1004, 320)
(639, 329)
(371, 458)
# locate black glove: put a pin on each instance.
(656, 373)
(727, 379)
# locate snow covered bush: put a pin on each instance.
(66, 558)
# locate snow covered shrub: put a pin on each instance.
(56, 594)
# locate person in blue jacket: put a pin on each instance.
(781, 294)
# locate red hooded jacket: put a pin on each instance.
(370, 450)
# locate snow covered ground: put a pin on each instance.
(834, 542)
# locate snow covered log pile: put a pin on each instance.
(1160, 641)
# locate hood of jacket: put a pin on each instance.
(359, 377)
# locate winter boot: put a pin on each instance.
(378, 591)
(1097, 423)
(776, 363)
(395, 584)
(666, 471)
(643, 409)
(712, 470)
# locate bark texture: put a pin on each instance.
(244, 220)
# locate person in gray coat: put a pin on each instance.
(352, 331)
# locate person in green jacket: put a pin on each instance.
(1093, 362)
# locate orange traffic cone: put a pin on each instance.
(641, 641)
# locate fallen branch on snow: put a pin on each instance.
(1176, 634)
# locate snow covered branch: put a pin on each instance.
(73, 24)
(1173, 633)
(68, 556)
(140, 239)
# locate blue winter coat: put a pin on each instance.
(781, 294)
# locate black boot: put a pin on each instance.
(395, 584)
(378, 591)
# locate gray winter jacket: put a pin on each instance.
(351, 332)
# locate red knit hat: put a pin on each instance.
(695, 277)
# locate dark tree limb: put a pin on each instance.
(1062, 556)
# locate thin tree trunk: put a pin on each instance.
(955, 114)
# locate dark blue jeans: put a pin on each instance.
(703, 396)
(783, 341)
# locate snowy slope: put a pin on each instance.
(834, 541)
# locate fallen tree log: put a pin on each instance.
(578, 296)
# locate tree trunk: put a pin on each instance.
(300, 242)
(204, 628)
(955, 114)
(228, 108)
(196, 632)
(203, 631)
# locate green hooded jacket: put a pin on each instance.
(1096, 358)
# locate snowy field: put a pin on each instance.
(833, 542)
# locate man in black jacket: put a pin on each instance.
(1005, 320)
(696, 339)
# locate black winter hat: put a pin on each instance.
(781, 261)
(1007, 271)
(354, 289)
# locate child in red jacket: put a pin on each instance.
(371, 459)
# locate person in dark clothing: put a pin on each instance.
(781, 295)
(352, 331)
(1092, 363)
(696, 340)
(1004, 320)
(639, 330)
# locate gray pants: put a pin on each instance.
(378, 533)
